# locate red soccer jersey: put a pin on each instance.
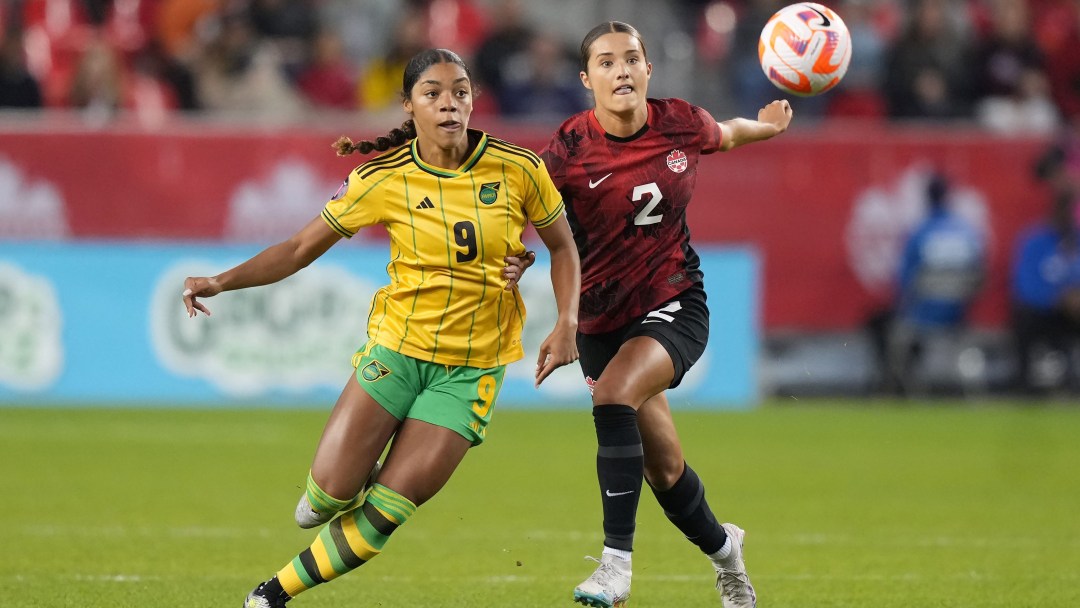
(626, 202)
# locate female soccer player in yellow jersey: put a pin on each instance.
(455, 202)
(626, 170)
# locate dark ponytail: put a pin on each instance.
(396, 137)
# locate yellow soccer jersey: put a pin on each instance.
(449, 231)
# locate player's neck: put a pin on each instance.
(622, 124)
(448, 158)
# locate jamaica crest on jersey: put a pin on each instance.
(489, 192)
(676, 161)
(374, 371)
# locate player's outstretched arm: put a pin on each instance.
(560, 347)
(772, 120)
(268, 266)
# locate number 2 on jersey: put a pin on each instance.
(643, 218)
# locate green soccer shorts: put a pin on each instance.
(458, 398)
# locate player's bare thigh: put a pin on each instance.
(642, 368)
(352, 441)
(422, 459)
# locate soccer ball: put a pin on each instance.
(805, 49)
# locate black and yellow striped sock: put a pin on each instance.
(348, 542)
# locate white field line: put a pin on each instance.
(118, 531)
(810, 539)
(706, 579)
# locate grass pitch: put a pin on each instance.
(846, 505)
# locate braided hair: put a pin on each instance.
(396, 137)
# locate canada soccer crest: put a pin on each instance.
(676, 161)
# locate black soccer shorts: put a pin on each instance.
(680, 325)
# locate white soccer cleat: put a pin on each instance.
(731, 581)
(308, 517)
(609, 585)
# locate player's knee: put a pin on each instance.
(663, 473)
(615, 391)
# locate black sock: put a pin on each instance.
(272, 588)
(686, 507)
(620, 467)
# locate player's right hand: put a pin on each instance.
(199, 287)
(557, 350)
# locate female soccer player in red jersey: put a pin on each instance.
(454, 201)
(626, 170)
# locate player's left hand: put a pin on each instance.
(516, 266)
(559, 349)
(777, 113)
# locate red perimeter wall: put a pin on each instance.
(792, 198)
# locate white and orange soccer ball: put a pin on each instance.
(805, 49)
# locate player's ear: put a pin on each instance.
(585, 80)
(648, 69)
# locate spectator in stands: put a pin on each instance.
(1012, 93)
(927, 69)
(172, 71)
(285, 19)
(860, 95)
(380, 80)
(148, 91)
(504, 48)
(98, 84)
(177, 24)
(366, 27)
(941, 271)
(1063, 63)
(1059, 166)
(454, 24)
(328, 80)
(97, 11)
(291, 25)
(241, 73)
(543, 85)
(1046, 297)
(18, 88)
(178, 48)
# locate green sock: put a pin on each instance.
(322, 502)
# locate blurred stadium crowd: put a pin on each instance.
(1009, 65)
